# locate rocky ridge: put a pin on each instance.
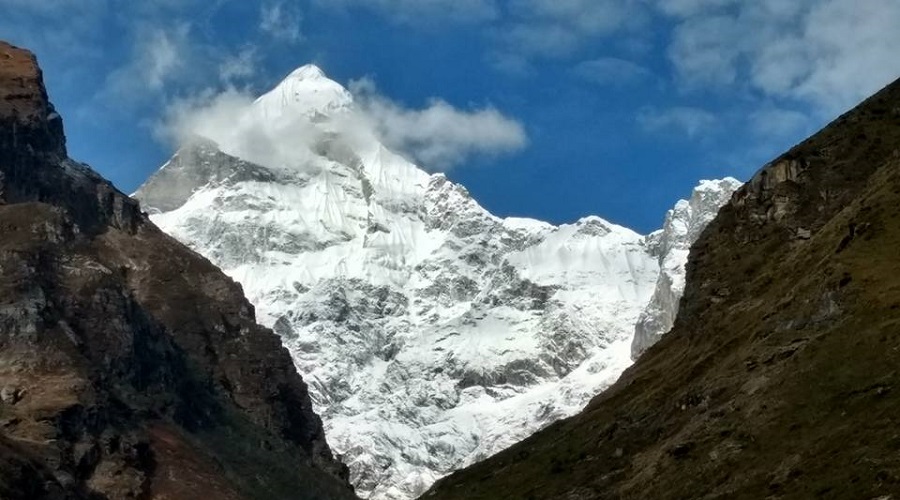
(130, 367)
(778, 379)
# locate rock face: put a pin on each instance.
(433, 333)
(683, 225)
(779, 378)
(130, 367)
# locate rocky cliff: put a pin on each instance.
(779, 378)
(130, 367)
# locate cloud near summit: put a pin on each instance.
(438, 136)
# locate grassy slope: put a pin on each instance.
(780, 377)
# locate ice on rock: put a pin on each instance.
(432, 334)
(682, 227)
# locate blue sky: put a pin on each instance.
(607, 107)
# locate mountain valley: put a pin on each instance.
(433, 334)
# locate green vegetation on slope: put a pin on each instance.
(780, 378)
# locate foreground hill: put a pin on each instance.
(780, 376)
(130, 367)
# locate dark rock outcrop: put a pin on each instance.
(130, 367)
(779, 378)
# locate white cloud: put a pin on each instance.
(611, 71)
(688, 120)
(520, 30)
(534, 30)
(829, 53)
(705, 50)
(584, 17)
(559, 28)
(172, 57)
(853, 51)
(159, 56)
(420, 13)
(241, 65)
(688, 8)
(225, 117)
(439, 136)
(281, 21)
(210, 114)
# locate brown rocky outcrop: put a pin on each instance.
(130, 367)
(780, 376)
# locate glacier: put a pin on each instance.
(432, 333)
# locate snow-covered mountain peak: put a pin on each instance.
(596, 226)
(307, 72)
(306, 92)
(432, 333)
(717, 186)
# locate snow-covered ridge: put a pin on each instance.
(682, 227)
(431, 332)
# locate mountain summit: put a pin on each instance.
(433, 333)
(307, 72)
(305, 92)
(130, 367)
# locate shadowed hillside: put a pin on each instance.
(130, 367)
(781, 376)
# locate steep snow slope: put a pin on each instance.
(671, 244)
(432, 333)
